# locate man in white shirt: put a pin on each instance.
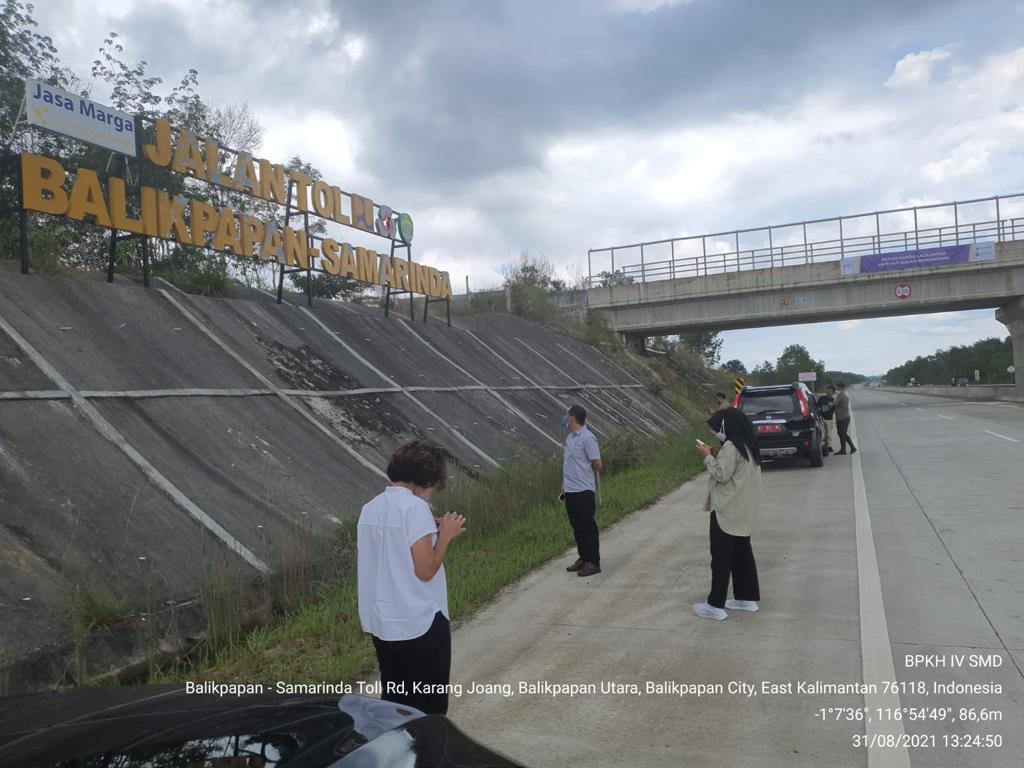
(581, 463)
(403, 594)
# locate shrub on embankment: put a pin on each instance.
(515, 523)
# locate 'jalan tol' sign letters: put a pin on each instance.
(155, 213)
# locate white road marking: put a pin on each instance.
(996, 434)
(947, 418)
(876, 652)
(919, 409)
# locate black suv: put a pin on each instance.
(786, 420)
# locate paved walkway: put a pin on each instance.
(920, 534)
(634, 624)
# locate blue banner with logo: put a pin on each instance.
(924, 258)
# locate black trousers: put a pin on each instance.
(423, 661)
(843, 426)
(731, 556)
(582, 510)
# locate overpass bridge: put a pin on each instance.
(939, 258)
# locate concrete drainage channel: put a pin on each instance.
(147, 437)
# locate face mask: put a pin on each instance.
(720, 435)
(565, 421)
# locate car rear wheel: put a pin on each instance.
(817, 454)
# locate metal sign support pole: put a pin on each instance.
(309, 270)
(112, 255)
(140, 173)
(22, 224)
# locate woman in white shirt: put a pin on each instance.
(403, 595)
(733, 498)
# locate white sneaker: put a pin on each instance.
(742, 605)
(706, 611)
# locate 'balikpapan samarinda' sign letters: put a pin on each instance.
(194, 222)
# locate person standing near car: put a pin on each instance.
(842, 416)
(581, 464)
(403, 593)
(733, 498)
(826, 407)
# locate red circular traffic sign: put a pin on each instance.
(902, 291)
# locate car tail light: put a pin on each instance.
(803, 403)
(807, 443)
(736, 401)
(770, 428)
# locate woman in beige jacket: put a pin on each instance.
(733, 498)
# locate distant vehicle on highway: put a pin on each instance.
(786, 420)
(164, 725)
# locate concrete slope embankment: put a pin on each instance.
(143, 431)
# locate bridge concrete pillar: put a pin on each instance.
(1012, 316)
(634, 341)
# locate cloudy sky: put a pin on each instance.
(557, 127)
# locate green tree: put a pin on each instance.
(794, 360)
(846, 377)
(735, 367)
(762, 373)
(990, 357)
(706, 346)
(618, 277)
(529, 278)
(326, 286)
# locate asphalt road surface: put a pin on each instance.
(913, 546)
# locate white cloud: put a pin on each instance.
(970, 157)
(946, 124)
(647, 6)
(916, 68)
(334, 154)
(355, 48)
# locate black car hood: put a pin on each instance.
(164, 727)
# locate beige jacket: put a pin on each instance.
(734, 490)
(842, 406)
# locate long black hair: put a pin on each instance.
(740, 432)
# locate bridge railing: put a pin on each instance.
(998, 219)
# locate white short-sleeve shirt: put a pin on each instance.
(580, 451)
(394, 603)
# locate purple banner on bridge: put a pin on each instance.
(922, 259)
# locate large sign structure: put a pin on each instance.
(144, 211)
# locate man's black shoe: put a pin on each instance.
(841, 453)
(853, 450)
(588, 569)
(575, 566)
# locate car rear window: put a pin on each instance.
(769, 404)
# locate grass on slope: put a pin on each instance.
(514, 524)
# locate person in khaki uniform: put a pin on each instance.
(733, 498)
(842, 414)
(826, 407)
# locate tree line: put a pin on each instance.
(794, 360)
(989, 357)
